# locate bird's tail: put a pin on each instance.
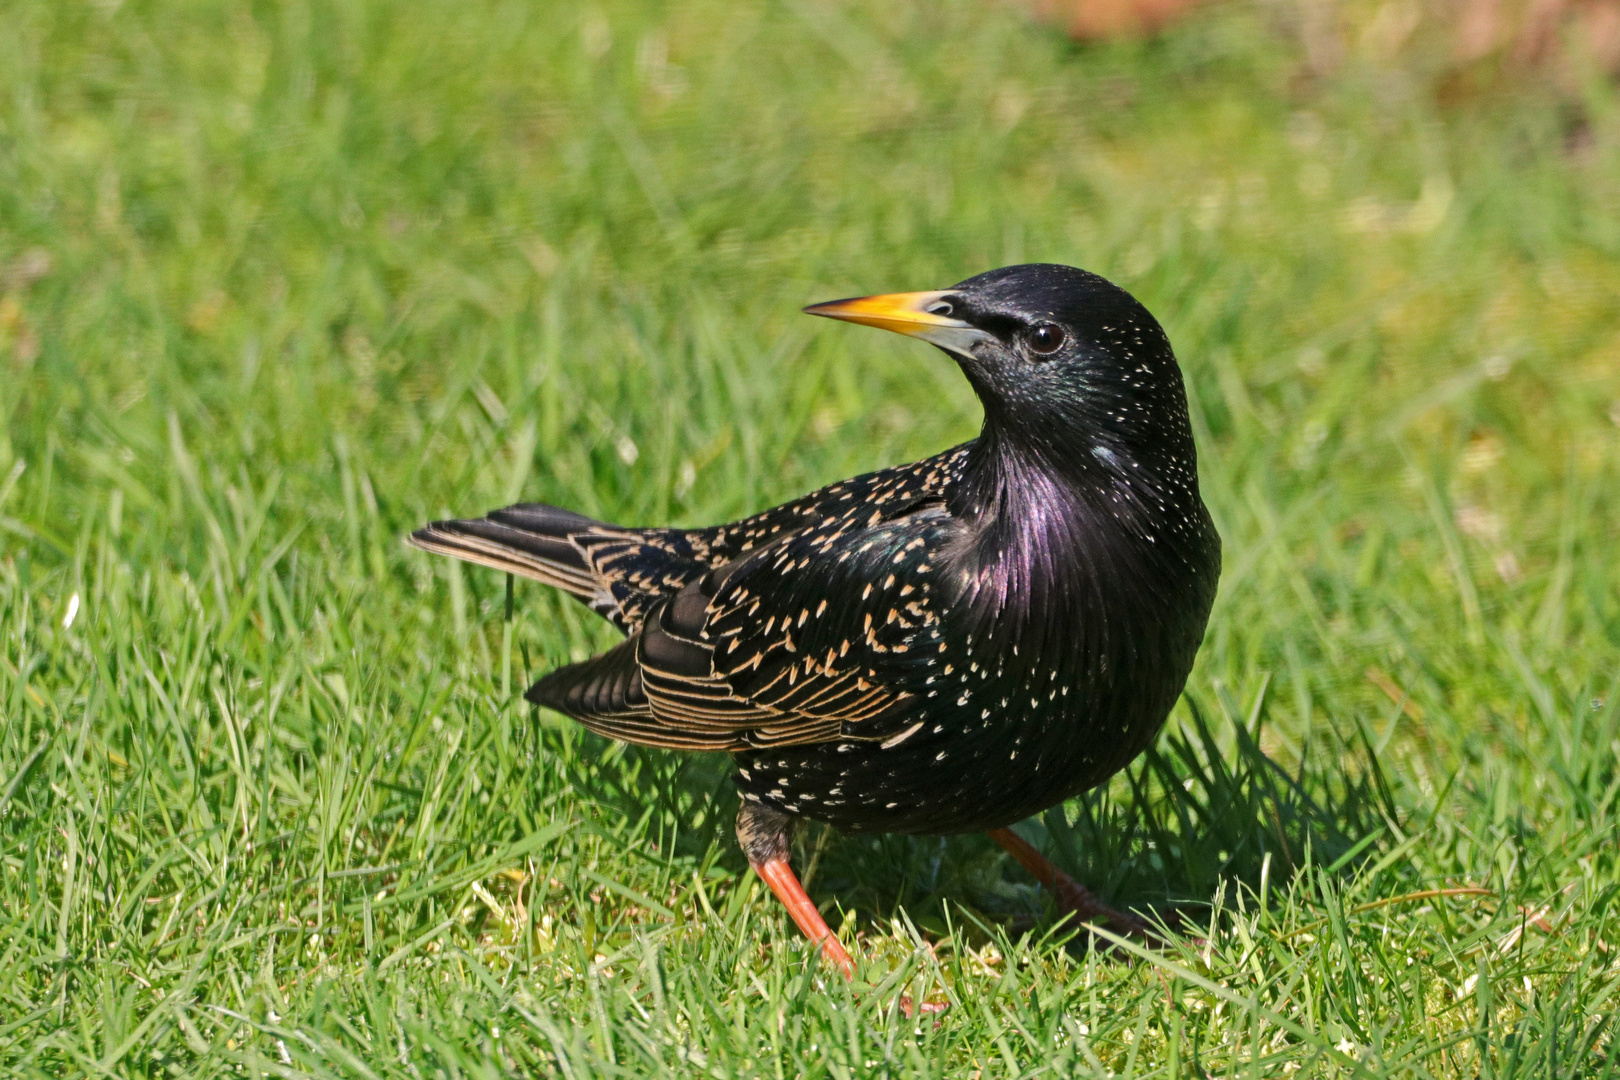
(532, 540)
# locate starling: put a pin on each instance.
(943, 647)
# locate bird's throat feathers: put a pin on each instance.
(1060, 549)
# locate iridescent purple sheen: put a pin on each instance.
(945, 646)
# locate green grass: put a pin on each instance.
(280, 281)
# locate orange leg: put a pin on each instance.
(776, 873)
(1071, 895)
(763, 834)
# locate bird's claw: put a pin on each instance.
(912, 1009)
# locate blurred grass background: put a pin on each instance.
(279, 281)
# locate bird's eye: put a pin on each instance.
(1045, 339)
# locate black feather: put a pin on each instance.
(949, 645)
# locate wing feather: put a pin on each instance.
(813, 621)
(796, 645)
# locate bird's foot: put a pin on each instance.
(764, 837)
(1077, 903)
(1073, 898)
(927, 1008)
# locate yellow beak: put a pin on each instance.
(925, 315)
(909, 313)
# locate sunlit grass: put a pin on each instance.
(280, 282)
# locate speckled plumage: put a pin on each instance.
(939, 647)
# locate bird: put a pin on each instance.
(943, 647)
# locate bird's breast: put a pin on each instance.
(1082, 625)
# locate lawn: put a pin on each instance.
(280, 281)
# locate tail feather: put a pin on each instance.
(622, 574)
(531, 540)
(545, 520)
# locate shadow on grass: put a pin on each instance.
(1187, 819)
(1183, 822)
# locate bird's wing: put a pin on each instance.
(828, 633)
(860, 500)
(622, 573)
(605, 694)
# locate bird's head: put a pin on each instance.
(1064, 361)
